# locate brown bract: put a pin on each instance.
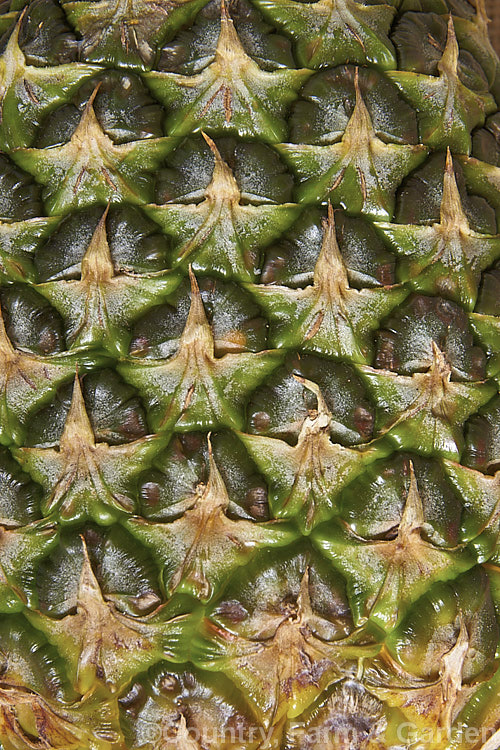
(330, 317)
(308, 477)
(203, 546)
(436, 703)
(102, 645)
(83, 477)
(284, 663)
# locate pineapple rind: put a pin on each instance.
(249, 362)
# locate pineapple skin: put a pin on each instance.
(249, 360)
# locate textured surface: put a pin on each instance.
(494, 14)
(249, 360)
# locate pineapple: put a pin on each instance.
(249, 362)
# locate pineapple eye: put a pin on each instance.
(19, 194)
(430, 320)
(31, 322)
